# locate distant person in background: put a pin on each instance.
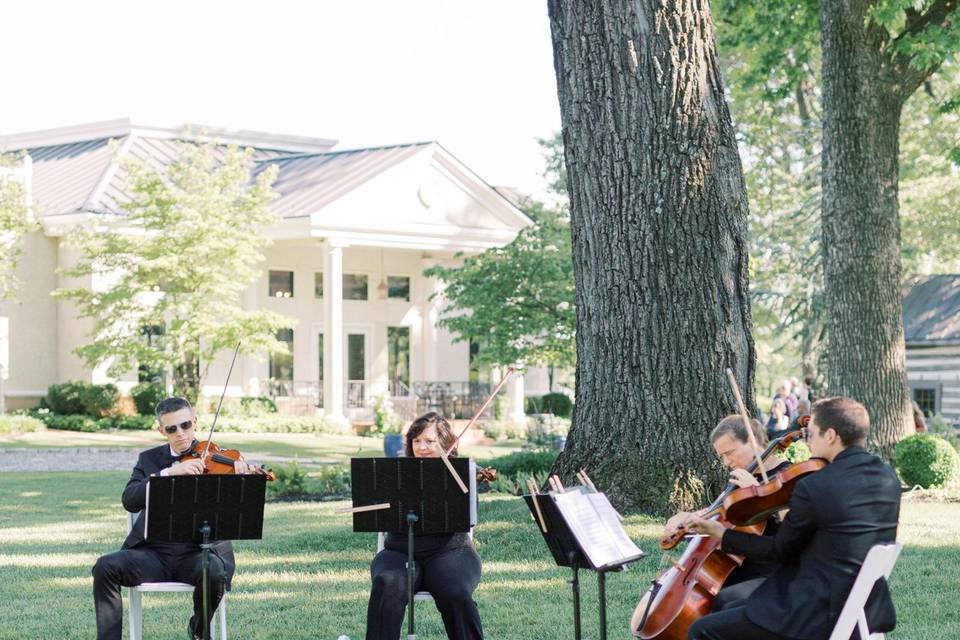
(919, 420)
(803, 409)
(778, 422)
(789, 400)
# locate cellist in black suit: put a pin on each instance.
(836, 515)
(141, 561)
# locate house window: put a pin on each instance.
(398, 288)
(281, 284)
(398, 360)
(354, 286)
(476, 372)
(318, 284)
(281, 364)
(927, 398)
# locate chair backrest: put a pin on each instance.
(878, 564)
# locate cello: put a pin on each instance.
(685, 591)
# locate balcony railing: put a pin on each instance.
(452, 399)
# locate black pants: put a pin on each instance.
(450, 575)
(729, 624)
(130, 567)
(735, 594)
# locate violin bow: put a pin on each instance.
(746, 423)
(496, 389)
(216, 415)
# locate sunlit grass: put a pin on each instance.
(309, 576)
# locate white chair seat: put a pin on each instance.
(136, 600)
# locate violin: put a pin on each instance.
(486, 475)
(219, 460)
(216, 459)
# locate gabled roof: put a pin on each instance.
(308, 182)
(79, 169)
(931, 310)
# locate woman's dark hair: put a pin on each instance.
(733, 426)
(444, 432)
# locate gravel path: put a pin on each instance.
(68, 459)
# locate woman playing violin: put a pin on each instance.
(732, 444)
(446, 565)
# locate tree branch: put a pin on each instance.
(910, 78)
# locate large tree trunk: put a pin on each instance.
(862, 99)
(659, 224)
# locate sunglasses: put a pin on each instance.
(184, 426)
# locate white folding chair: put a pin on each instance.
(878, 564)
(136, 600)
(419, 596)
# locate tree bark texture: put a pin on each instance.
(659, 224)
(862, 98)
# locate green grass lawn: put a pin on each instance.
(308, 577)
(322, 448)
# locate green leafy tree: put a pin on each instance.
(874, 55)
(179, 261)
(516, 301)
(14, 223)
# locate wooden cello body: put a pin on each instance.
(687, 589)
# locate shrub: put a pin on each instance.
(926, 460)
(517, 484)
(78, 397)
(131, 423)
(145, 396)
(556, 403)
(291, 481)
(20, 424)
(939, 426)
(99, 399)
(273, 423)
(333, 480)
(69, 422)
(797, 452)
(529, 462)
(65, 398)
(258, 405)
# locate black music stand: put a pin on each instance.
(423, 496)
(566, 552)
(203, 508)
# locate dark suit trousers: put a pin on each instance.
(130, 567)
(729, 624)
(450, 575)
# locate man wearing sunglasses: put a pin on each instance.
(140, 560)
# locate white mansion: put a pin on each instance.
(358, 227)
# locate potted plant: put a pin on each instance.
(388, 423)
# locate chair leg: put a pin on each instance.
(136, 614)
(222, 609)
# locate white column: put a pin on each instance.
(430, 315)
(517, 414)
(333, 328)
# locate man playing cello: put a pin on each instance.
(836, 515)
(732, 444)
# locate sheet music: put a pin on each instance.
(611, 520)
(587, 527)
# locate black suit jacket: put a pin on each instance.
(134, 500)
(836, 516)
